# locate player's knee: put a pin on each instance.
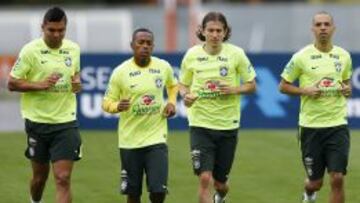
(157, 197)
(220, 187)
(134, 198)
(336, 180)
(39, 180)
(205, 179)
(315, 185)
(63, 179)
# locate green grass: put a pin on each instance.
(267, 169)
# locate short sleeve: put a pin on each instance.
(113, 90)
(348, 69)
(245, 68)
(170, 78)
(22, 65)
(186, 74)
(292, 70)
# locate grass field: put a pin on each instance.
(267, 169)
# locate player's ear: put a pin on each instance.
(132, 45)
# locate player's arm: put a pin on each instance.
(189, 98)
(170, 108)
(111, 106)
(286, 87)
(76, 83)
(246, 88)
(112, 103)
(346, 88)
(22, 85)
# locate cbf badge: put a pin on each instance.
(158, 82)
(68, 61)
(223, 71)
(337, 65)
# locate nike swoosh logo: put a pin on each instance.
(132, 86)
(314, 67)
(43, 62)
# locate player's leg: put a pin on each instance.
(203, 156)
(156, 169)
(337, 153)
(226, 146)
(312, 146)
(65, 149)
(37, 152)
(38, 181)
(132, 170)
(337, 194)
(62, 174)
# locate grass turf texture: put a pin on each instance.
(267, 169)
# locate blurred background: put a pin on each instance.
(269, 31)
(268, 156)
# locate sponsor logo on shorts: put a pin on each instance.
(195, 155)
(124, 181)
(309, 162)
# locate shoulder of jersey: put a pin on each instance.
(32, 44)
(194, 49)
(161, 61)
(305, 50)
(233, 49)
(70, 44)
(123, 66)
(341, 50)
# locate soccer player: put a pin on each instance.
(136, 90)
(324, 72)
(47, 75)
(213, 77)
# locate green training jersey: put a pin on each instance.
(143, 124)
(35, 63)
(203, 73)
(325, 71)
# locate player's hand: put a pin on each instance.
(189, 99)
(169, 110)
(312, 92)
(123, 105)
(345, 89)
(50, 81)
(227, 90)
(75, 83)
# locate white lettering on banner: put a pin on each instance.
(95, 77)
(354, 108)
(356, 78)
(90, 106)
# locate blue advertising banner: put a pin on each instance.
(267, 108)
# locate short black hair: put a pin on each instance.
(55, 14)
(214, 16)
(142, 30)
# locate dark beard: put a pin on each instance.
(144, 61)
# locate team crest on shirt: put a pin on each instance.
(224, 71)
(68, 61)
(338, 66)
(158, 82)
